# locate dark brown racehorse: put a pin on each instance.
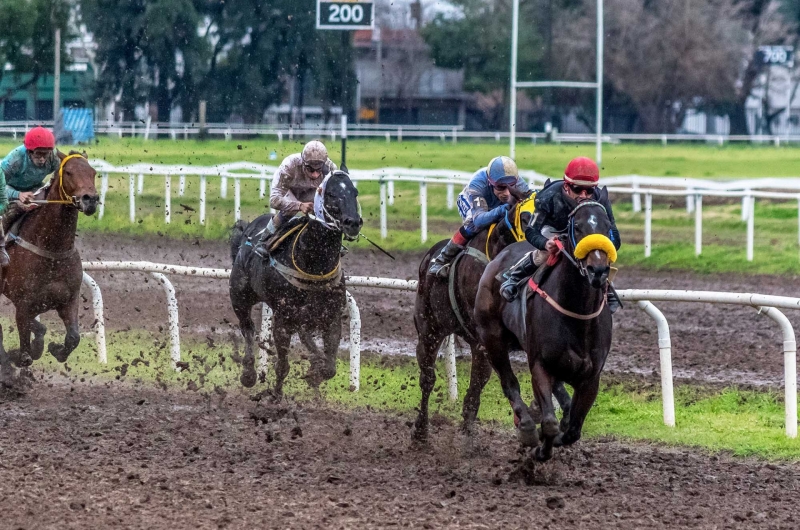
(45, 269)
(301, 282)
(567, 334)
(435, 318)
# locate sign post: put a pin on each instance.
(345, 15)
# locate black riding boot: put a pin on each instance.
(266, 234)
(517, 274)
(440, 265)
(612, 299)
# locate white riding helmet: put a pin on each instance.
(314, 154)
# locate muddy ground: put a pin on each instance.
(93, 454)
(709, 342)
(117, 456)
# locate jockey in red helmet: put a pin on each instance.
(23, 172)
(484, 201)
(553, 206)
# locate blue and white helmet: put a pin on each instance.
(502, 170)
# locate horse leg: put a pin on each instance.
(565, 402)
(69, 316)
(282, 338)
(498, 357)
(582, 401)
(331, 338)
(480, 373)
(24, 319)
(427, 348)
(242, 308)
(7, 375)
(543, 390)
(37, 346)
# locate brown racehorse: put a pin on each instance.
(45, 269)
(435, 319)
(567, 332)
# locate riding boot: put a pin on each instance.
(440, 265)
(521, 271)
(4, 260)
(612, 299)
(260, 248)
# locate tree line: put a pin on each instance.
(662, 57)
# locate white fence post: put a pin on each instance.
(745, 205)
(636, 197)
(390, 190)
(262, 185)
(423, 213)
(384, 223)
(202, 199)
(450, 196)
(648, 224)
(690, 201)
(167, 199)
(798, 219)
(450, 367)
(140, 184)
(355, 343)
(698, 224)
(223, 188)
(665, 357)
(103, 193)
(181, 185)
(172, 314)
(132, 197)
(751, 203)
(265, 337)
(455, 135)
(789, 368)
(237, 199)
(99, 318)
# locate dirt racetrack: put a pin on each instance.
(93, 454)
(118, 456)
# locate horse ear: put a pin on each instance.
(546, 183)
(344, 168)
(84, 154)
(602, 194)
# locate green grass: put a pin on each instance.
(744, 423)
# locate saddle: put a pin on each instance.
(11, 232)
(273, 241)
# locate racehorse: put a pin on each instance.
(564, 326)
(45, 270)
(443, 308)
(302, 281)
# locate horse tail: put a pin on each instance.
(237, 235)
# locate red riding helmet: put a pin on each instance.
(38, 138)
(582, 171)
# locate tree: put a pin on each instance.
(479, 41)
(28, 39)
(148, 50)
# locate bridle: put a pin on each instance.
(569, 237)
(330, 222)
(70, 200)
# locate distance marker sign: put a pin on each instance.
(357, 14)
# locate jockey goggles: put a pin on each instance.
(577, 190)
(313, 166)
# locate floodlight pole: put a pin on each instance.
(512, 118)
(597, 85)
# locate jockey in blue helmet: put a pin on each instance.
(484, 201)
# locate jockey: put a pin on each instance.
(23, 172)
(483, 201)
(553, 206)
(294, 185)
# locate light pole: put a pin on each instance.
(598, 84)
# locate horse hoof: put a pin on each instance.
(540, 455)
(58, 351)
(419, 435)
(558, 441)
(528, 437)
(37, 349)
(550, 428)
(24, 360)
(248, 378)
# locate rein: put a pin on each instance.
(65, 198)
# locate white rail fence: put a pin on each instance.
(765, 304)
(634, 185)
